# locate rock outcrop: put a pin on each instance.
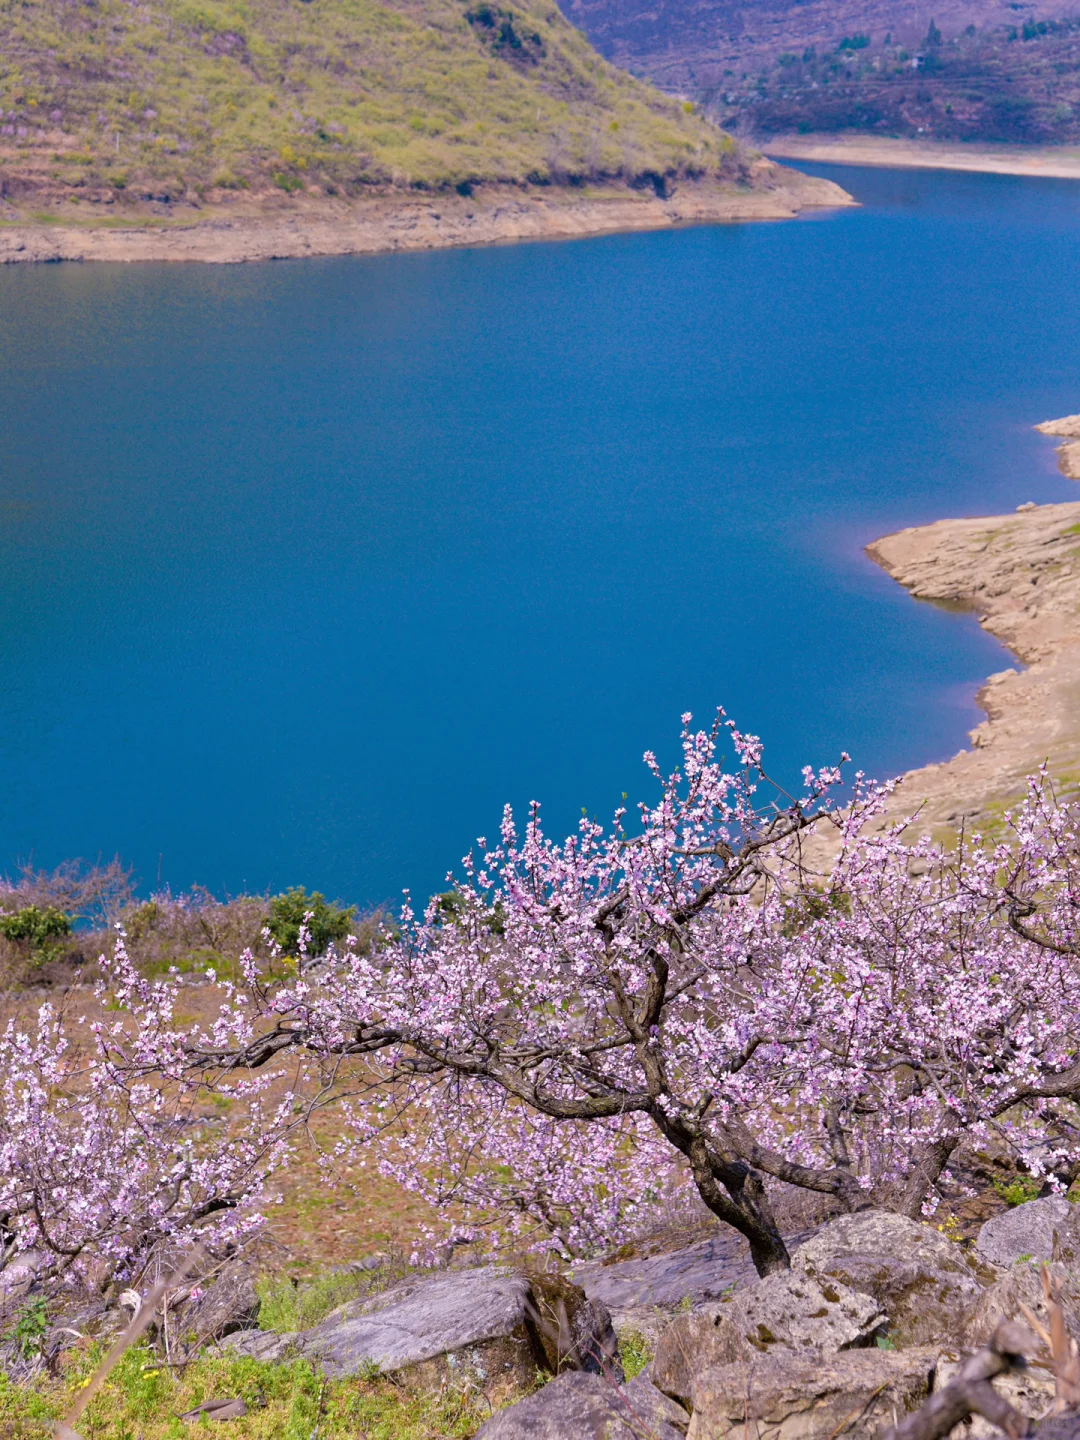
(1031, 1393)
(922, 1281)
(643, 1294)
(229, 1303)
(692, 1344)
(1020, 574)
(587, 1407)
(1068, 454)
(1026, 1231)
(494, 1325)
(414, 222)
(811, 1397)
(793, 1311)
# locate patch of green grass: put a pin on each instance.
(1019, 1190)
(285, 1305)
(285, 1402)
(635, 1352)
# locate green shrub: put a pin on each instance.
(1019, 1190)
(635, 1352)
(27, 1333)
(37, 931)
(328, 922)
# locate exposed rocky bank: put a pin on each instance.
(290, 229)
(1021, 574)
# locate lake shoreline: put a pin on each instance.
(1042, 161)
(1020, 573)
(387, 224)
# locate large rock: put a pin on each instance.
(493, 1325)
(919, 1278)
(690, 1345)
(574, 1331)
(1025, 1232)
(1031, 1392)
(793, 1311)
(1021, 1285)
(640, 1294)
(586, 1407)
(803, 1397)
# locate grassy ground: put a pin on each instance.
(171, 98)
(143, 1400)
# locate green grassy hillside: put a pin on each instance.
(325, 95)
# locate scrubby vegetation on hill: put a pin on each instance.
(171, 97)
(1013, 83)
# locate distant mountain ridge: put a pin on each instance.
(1003, 70)
(172, 98)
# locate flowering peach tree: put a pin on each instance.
(110, 1150)
(580, 1028)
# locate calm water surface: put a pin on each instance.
(306, 568)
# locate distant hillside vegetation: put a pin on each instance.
(324, 95)
(998, 70)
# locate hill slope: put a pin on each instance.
(995, 70)
(330, 96)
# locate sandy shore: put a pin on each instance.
(1046, 161)
(228, 234)
(1020, 573)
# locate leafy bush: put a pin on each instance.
(325, 922)
(635, 1352)
(36, 930)
(1019, 1190)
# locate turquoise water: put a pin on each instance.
(306, 568)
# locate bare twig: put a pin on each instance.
(971, 1393)
(65, 1429)
(1063, 1349)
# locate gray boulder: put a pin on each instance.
(1021, 1285)
(264, 1345)
(804, 1397)
(920, 1279)
(879, 1232)
(793, 1311)
(1025, 1231)
(635, 1290)
(690, 1345)
(493, 1325)
(577, 1406)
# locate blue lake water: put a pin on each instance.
(306, 568)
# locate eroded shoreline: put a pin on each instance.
(1043, 161)
(392, 224)
(1020, 573)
